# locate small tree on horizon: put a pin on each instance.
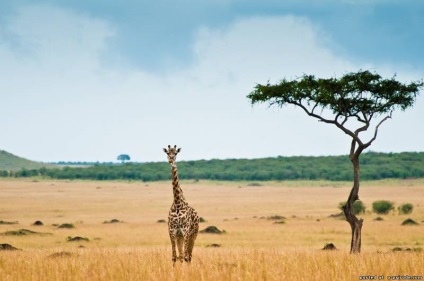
(123, 158)
(350, 103)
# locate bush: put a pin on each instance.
(382, 207)
(77, 239)
(409, 222)
(405, 209)
(212, 229)
(8, 247)
(358, 207)
(66, 225)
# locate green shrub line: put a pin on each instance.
(382, 207)
(374, 166)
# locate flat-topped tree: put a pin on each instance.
(123, 157)
(350, 103)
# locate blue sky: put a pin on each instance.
(88, 80)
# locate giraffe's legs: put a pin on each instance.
(187, 256)
(174, 252)
(188, 246)
(180, 241)
(191, 245)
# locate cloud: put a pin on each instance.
(51, 52)
(205, 106)
(66, 102)
(269, 45)
(51, 70)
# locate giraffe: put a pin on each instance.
(183, 221)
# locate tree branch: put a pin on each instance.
(313, 108)
(376, 130)
(370, 117)
(359, 118)
(362, 129)
(310, 113)
(335, 122)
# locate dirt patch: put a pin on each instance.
(409, 222)
(276, 218)
(8, 222)
(213, 245)
(23, 232)
(337, 216)
(8, 247)
(113, 221)
(379, 219)
(212, 230)
(61, 254)
(77, 239)
(399, 249)
(66, 225)
(329, 247)
(254, 184)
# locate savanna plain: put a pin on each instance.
(272, 231)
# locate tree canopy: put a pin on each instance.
(124, 157)
(361, 94)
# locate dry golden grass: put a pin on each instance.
(253, 248)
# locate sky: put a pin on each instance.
(87, 80)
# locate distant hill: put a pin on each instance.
(10, 162)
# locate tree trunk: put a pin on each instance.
(355, 243)
(355, 223)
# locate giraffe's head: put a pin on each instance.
(172, 153)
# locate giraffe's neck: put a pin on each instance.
(178, 193)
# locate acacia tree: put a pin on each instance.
(123, 157)
(351, 103)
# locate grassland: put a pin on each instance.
(253, 247)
